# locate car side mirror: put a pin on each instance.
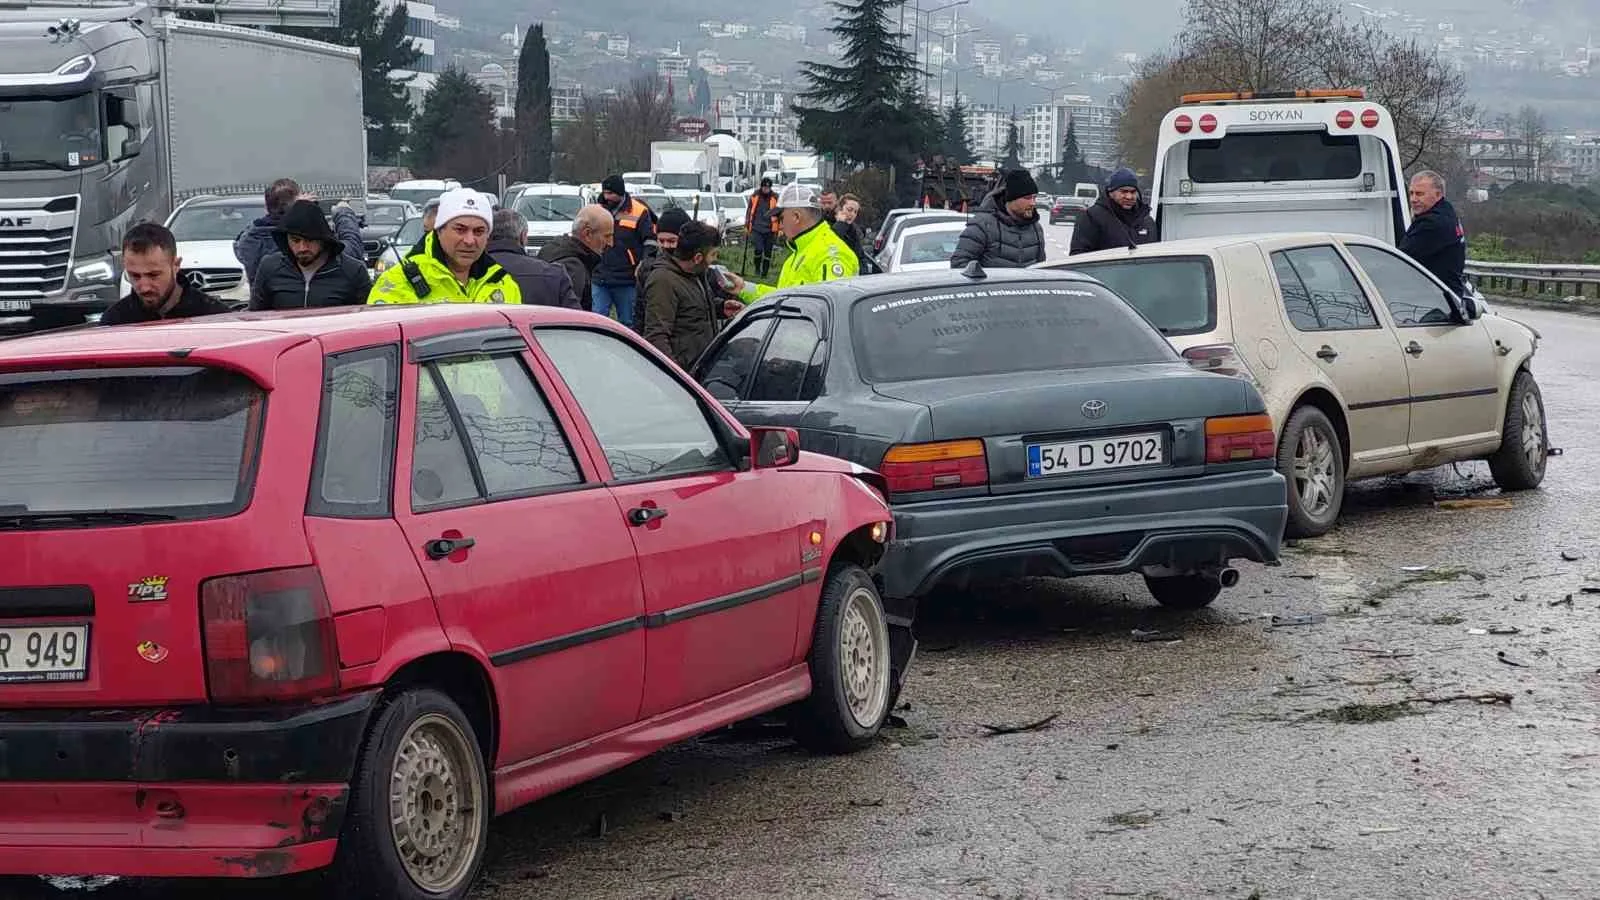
(774, 448)
(1471, 308)
(130, 147)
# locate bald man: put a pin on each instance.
(579, 252)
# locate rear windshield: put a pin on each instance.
(1177, 294)
(1275, 156)
(930, 247)
(1013, 327)
(178, 441)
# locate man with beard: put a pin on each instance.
(1005, 232)
(1119, 219)
(161, 290)
(682, 314)
(310, 267)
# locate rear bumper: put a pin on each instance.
(177, 792)
(1101, 531)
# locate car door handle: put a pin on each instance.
(443, 547)
(644, 515)
(1414, 348)
(1327, 353)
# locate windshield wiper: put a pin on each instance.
(85, 517)
(27, 164)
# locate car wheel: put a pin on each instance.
(1312, 461)
(1183, 591)
(1520, 462)
(850, 667)
(418, 817)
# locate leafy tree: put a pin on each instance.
(535, 141)
(1072, 166)
(1013, 150)
(699, 92)
(865, 109)
(455, 135)
(385, 49)
(957, 138)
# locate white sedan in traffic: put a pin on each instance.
(922, 247)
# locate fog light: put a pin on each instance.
(880, 531)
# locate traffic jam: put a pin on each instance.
(331, 590)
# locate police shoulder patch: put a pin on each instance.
(497, 297)
(838, 270)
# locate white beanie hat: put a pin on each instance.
(464, 202)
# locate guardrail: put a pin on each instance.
(1535, 278)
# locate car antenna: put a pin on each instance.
(974, 270)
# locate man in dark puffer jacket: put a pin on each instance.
(310, 267)
(1119, 219)
(1005, 232)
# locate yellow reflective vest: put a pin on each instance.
(819, 255)
(425, 278)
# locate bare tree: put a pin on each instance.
(582, 152)
(639, 114)
(1162, 81)
(1257, 45)
(1533, 142)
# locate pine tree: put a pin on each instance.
(865, 109)
(535, 141)
(1072, 167)
(1013, 150)
(385, 49)
(957, 139)
(455, 135)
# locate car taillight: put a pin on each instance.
(1345, 118)
(1222, 359)
(1208, 123)
(1369, 118)
(268, 636)
(1183, 124)
(937, 466)
(1240, 438)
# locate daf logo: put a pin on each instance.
(1094, 409)
(15, 223)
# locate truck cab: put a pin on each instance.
(1240, 163)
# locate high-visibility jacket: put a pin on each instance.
(771, 205)
(819, 255)
(635, 226)
(425, 278)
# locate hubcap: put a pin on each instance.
(434, 798)
(1314, 472)
(863, 658)
(1533, 431)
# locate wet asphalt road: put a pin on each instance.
(1244, 760)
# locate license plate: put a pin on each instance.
(1123, 451)
(15, 305)
(44, 653)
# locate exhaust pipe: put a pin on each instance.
(1223, 576)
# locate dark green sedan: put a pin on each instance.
(1025, 422)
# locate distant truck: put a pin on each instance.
(735, 170)
(1086, 190)
(684, 165)
(114, 115)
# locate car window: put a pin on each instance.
(1177, 294)
(787, 359)
(514, 437)
(648, 423)
(1275, 156)
(356, 435)
(180, 441)
(930, 247)
(726, 374)
(1325, 285)
(1014, 326)
(219, 222)
(1296, 299)
(1412, 298)
(441, 474)
(409, 233)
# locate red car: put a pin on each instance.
(285, 591)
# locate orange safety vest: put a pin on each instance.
(750, 211)
(629, 218)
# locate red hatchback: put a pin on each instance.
(290, 590)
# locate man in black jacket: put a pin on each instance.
(1005, 231)
(682, 313)
(542, 283)
(579, 252)
(633, 224)
(1119, 219)
(161, 289)
(311, 267)
(1436, 239)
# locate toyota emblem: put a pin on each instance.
(1094, 409)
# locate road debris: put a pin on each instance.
(1488, 699)
(1153, 637)
(1571, 555)
(1501, 655)
(1382, 654)
(877, 801)
(1139, 818)
(1495, 629)
(1381, 830)
(1564, 601)
(670, 815)
(1474, 503)
(1290, 621)
(1415, 568)
(998, 730)
(1589, 589)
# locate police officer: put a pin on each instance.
(450, 265)
(818, 254)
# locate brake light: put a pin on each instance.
(1208, 123)
(1221, 359)
(1369, 118)
(1240, 438)
(1345, 119)
(268, 636)
(1183, 124)
(928, 467)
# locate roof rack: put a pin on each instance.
(269, 13)
(1255, 97)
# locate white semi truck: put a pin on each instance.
(112, 115)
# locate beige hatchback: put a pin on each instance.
(1368, 364)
